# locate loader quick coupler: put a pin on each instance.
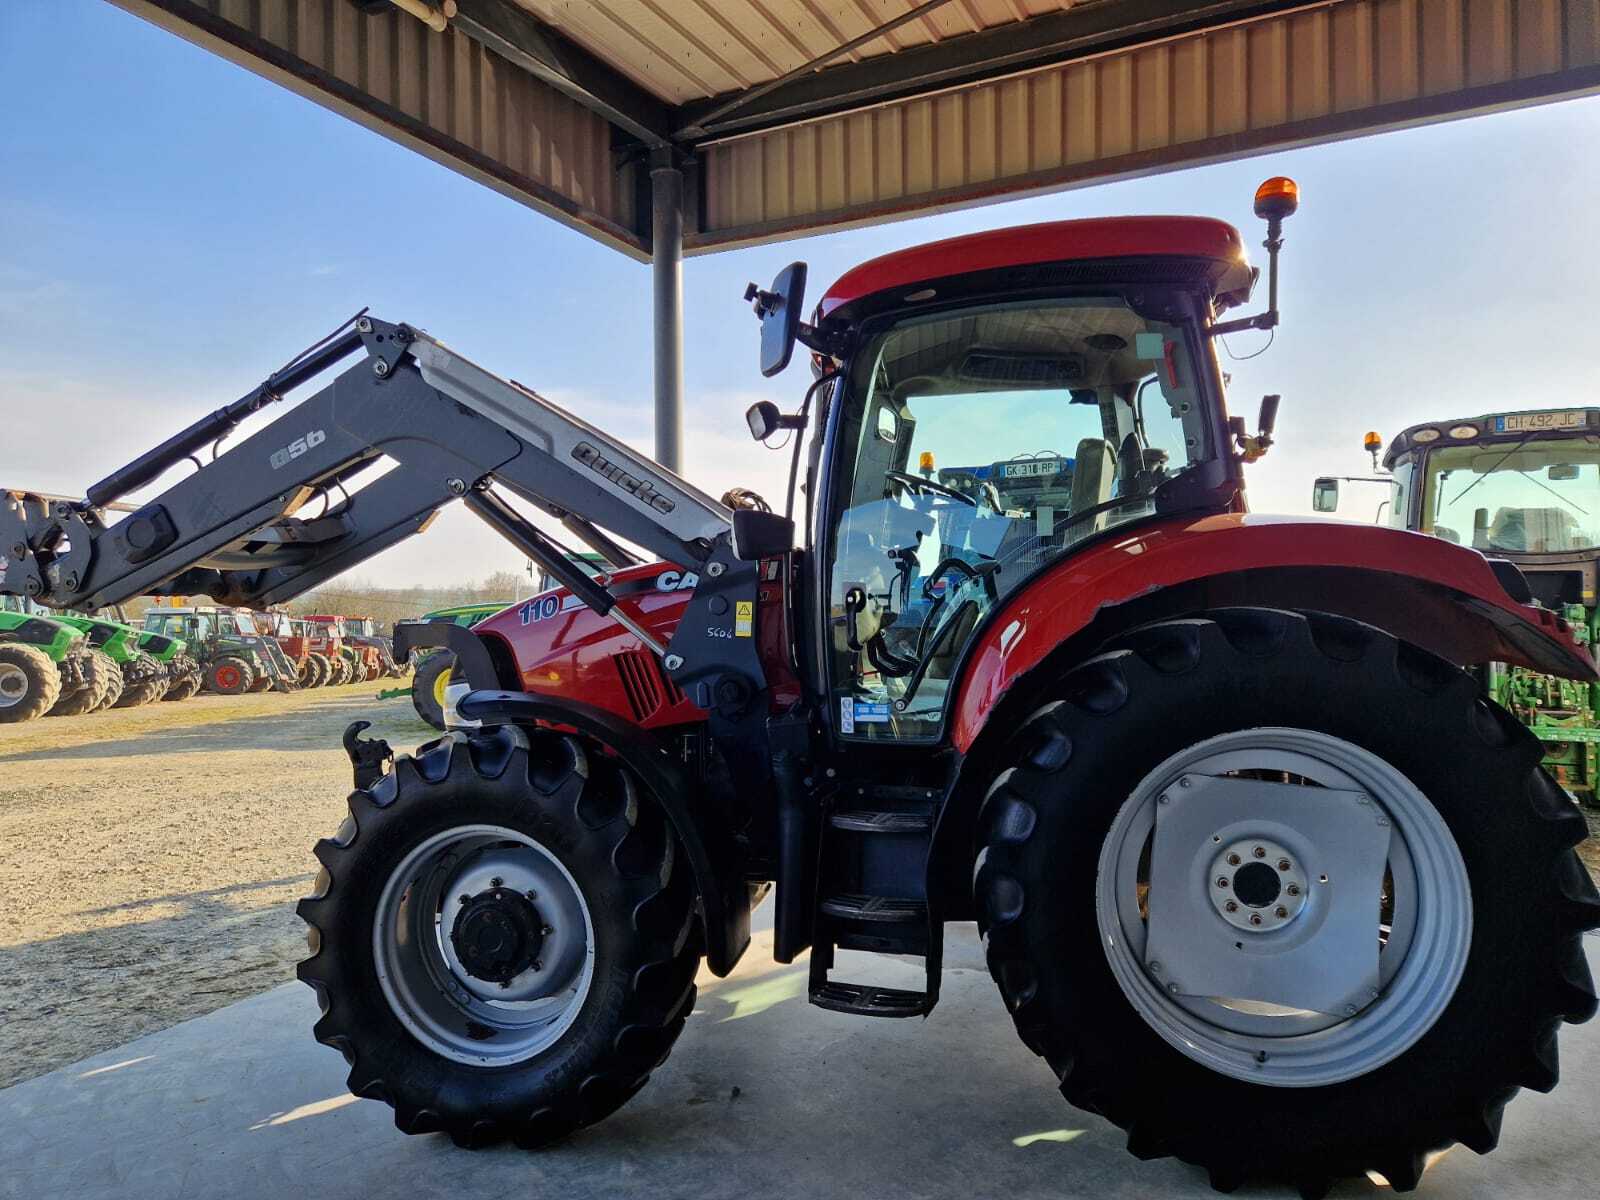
(370, 758)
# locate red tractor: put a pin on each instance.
(352, 663)
(1259, 870)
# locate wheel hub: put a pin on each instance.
(1257, 885)
(13, 685)
(497, 935)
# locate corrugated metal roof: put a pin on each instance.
(1349, 66)
(691, 49)
(440, 93)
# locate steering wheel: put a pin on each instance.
(916, 483)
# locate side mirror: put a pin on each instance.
(758, 535)
(1325, 495)
(764, 419)
(779, 311)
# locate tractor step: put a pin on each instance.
(868, 1000)
(862, 821)
(889, 910)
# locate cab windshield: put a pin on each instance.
(988, 442)
(1529, 497)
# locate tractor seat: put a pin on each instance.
(1533, 530)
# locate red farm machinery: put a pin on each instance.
(1260, 871)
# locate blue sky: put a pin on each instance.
(174, 227)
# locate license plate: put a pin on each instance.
(1046, 466)
(1524, 422)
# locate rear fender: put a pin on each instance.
(1442, 597)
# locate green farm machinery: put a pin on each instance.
(234, 656)
(1523, 487)
(47, 666)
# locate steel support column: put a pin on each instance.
(666, 272)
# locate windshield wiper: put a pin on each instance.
(1491, 470)
(1572, 504)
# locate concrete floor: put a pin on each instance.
(763, 1097)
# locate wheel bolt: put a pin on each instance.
(1222, 881)
(1231, 906)
(1233, 860)
(1293, 889)
(1255, 918)
(1173, 987)
(1281, 911)
(1283, 864)
(1259, 852)
(532, 895)
(496, 881)
(505, 983)
(466, 899)
(546, 931)
(538, 965)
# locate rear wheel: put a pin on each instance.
(428, 686)
(186, 680)
(1285, 898)
(502, 938)
(29, 683)
(229, 675)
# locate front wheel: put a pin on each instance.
(1285, 898)
(502, 938)
(29, 683)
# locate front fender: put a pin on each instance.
(1437, 595)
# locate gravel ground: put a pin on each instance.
(152, 857)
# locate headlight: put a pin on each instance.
(1425, 435)
(1463, 431)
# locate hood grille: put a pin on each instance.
(645, 683)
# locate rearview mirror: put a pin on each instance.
(1325, 495)
(779, 310)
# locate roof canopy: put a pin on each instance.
(794, 116)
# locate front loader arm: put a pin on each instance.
(283, 510)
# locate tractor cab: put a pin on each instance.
(1521, 486)
(988, 406)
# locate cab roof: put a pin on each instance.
(1048, 242)
(1406, 439)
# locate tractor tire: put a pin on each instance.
(261, 683)
(342, 671)
(580, 896)
(147, 690)
(229, 675)
(30, 683)
(1097, 845)
(428, 685)
(306, 673)
(321, 669)
(184, 685)
(101, 689)
(114, 684)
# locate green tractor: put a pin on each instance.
(140, 678)
(1523, 487)
(47, 666)
(434, 669)
(234, 656)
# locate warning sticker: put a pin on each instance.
(744, 618)
(847, 715)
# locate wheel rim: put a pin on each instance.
(1358, 948)
(484, 945)
(441, 683)
(13, 685)
(228, 677)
